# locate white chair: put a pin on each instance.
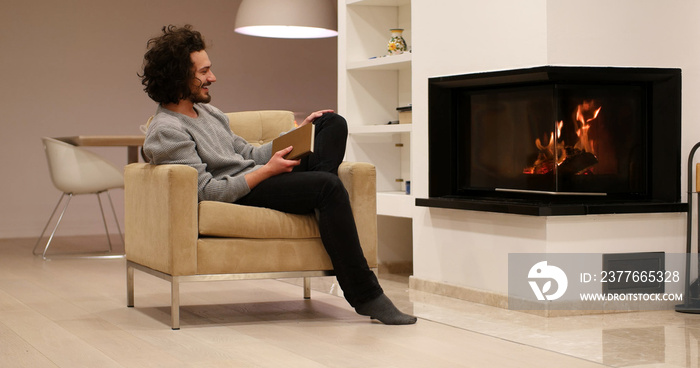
(77, 171)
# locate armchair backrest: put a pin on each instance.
(260, 127)
(256, 127)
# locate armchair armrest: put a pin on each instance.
(160, 207)
(360, 180)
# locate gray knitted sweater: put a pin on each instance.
(207, 144)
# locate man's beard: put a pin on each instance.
(200, 98)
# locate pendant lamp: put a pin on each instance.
(287, 18)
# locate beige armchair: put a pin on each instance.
(172, 236)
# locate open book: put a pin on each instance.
(302, 139)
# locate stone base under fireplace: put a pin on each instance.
(479, 244)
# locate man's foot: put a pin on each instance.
(383, 310)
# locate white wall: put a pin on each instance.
(469, 249)
(69, 68)
(638, 33)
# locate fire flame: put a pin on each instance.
(556, 152)
(582, 123)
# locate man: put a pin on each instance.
(177, 74)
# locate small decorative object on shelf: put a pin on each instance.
(397, 45)
(405, 114)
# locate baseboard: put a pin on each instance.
(396, 268)
(489, 298)
(458, 292)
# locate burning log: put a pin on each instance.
(576, 159)
(578, 162)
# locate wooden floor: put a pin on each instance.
(72, 313)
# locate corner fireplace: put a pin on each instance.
(556, 140)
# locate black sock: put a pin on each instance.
(382, 309)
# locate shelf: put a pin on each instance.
(395, 62)
(371, 86)
(397, 204)
(380, 129)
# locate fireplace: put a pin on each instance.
(556, 141)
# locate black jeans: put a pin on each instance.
(314, 186)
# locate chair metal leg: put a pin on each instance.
(46, 248)
(41, 236)
(175, 302)
(129, 285)
(307, 287)
(116, 220)
(104, 221)
(96, 254)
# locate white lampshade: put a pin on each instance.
(287, 18)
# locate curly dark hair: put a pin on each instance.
(167, 67)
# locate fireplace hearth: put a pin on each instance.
(556, 140)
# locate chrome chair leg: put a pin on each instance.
(129, 285)
(116, 219)
(41, 236)
(104, 221)
(46, 248)
(175, 302)
(307, 287)
(95, 254)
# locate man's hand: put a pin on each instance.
(277, 165)
(314, 116)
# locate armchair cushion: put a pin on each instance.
(237, 255)
(236, 221)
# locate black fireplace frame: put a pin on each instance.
(663, 86)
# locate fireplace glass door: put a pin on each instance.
(561, 138)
